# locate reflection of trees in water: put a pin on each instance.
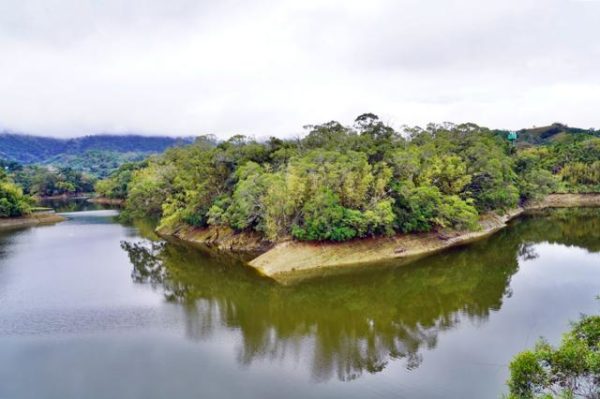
(147, 254)
(71, 205)
(527, 252)
(572, 227)
(352, 323)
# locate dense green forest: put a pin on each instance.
(551, 134)
(94, 162)
(96, 156)
(571, 370)
(27, 149)
(45, 166)
(342, 182)
(43, 181)
(12, 200)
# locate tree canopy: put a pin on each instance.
(571, 370)
(343, 182)
(12, 200)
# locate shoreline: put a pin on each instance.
(218, 240)
(290, 260)
(294, 260)
(89, 197)
(106, 201)
(35, 219)
(63, 197)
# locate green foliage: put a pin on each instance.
(421, 209)
(244, 211)
(12, 201)
(324, 219)
(568, 371)
(43, 181)
(95, 163)
(281, 204)
(149, 191)
(340, 182)
(584, 175)
(493, 182)
(60, 152)
(537, 183)
(555, 133)
(446, 172)
(572, 163)
(195, 176)
(116, 185)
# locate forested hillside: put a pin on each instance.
(28, 149)
(95, 163)
(13, 202)
(343, 182)
(554, 133)
(43, 181)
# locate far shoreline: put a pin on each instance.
(89, 197)
(106, 201)
(35, 219)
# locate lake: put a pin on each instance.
(90, 308)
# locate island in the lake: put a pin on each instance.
(348, 195)
(292, 260)
(340, 196)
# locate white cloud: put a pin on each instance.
(267, 68)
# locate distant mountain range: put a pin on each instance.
(553, 133)
(99, 155)
(28, 149)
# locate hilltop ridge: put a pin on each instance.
(28, 149)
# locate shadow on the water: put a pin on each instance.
(354, 323)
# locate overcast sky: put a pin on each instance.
(72, 67)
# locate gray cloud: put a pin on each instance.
(267, 68)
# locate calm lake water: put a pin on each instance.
(90, 308)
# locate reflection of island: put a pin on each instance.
(572, 227)
(76, 204)
(353, 323)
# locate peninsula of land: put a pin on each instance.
(34, 219)
(290, 260)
